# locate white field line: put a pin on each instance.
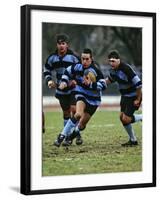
(92, 126)
(109, 100)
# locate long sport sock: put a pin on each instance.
(69, 127)
(130, 132)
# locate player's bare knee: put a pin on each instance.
(78, 115)
(126, 120)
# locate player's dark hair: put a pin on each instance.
(114, 54)
(62, 38)
(89, 51)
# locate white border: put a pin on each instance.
(42, 183)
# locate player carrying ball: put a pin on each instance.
(90, 83)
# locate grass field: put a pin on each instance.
(101, 151)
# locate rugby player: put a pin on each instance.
(130, 87)
(58, 62)
(87, 93)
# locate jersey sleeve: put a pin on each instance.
(136, 81)
(68, 74)
(76, 59)
(47, 70)
(133, 77)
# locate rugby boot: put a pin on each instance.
(67, 141)
(59, 140)
(130, 143)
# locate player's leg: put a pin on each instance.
(67, 140)
(126, 117)
(70, 113)
(66, 116)
(71, 105)
(89, 111)
(77, 131)
(83, 121)
(81, 126)
(136, 118)
(126, 121)
(76, 134)
(73, 111)
(71, 123)
(64, 102)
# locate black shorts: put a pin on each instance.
(90, 109)
(66, 101)
(127, 105)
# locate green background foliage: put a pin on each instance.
(101, 39)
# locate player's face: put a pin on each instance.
(86, 59)
(114, 62)
(62, 47)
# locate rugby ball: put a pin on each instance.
(91, 76)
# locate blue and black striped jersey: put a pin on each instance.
(58, 64)
(92, 93)
(126, 78)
